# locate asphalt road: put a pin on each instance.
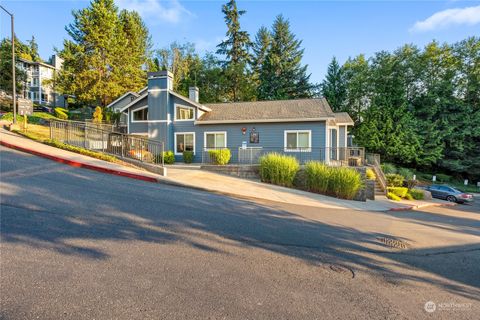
(76, 244)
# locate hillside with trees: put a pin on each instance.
(417, 107)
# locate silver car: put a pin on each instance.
(449, 193)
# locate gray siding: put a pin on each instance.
(122, 102)
(271, 135)
(137, 127)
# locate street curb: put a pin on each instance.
(80, 164)
(409, 208)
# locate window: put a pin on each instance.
(184, 113)
(140, 115)
(35, 82)
(215, 140)
(184, 141)
(298, 140)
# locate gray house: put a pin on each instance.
(305, 128)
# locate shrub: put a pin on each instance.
(406, 173)
(344, 182)
(98, 115)
(398, 191)
(168, 157)
(410, 184)
(278, 169)
(317, 176)
(394, 180)
(443, 177)
(393, 197)
(61, 113)
(86, 152)
(220, 156)
(416, 194)
(188, 156)
(370, 174)
(408, 196)
(388, 168)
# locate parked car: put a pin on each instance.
(43, 109)
(449, 193)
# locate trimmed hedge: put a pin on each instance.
(398, 191)
(220, 156)
(188, 156)
(416, 194)
(393, 197)
(394, 180)
(370, 174)
(278, 169)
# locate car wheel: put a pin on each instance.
(451, 199)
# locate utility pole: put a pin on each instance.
(14, 89)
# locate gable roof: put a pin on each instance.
(145, 94)
(123, 96)
(343, 118)
(141, 97)
(142, 91)
(268, 111)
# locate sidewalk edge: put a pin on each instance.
(78, 164)
(420, 206)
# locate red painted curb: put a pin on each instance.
(80, 164)
(423, 206)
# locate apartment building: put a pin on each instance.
(38, 87)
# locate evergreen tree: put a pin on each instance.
(333, 88)
(136, 52)
(282, 76)
(235, 48)
(106, 55)
(260, 48)
(33, 49)
(21, 51)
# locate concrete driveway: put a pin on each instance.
(77, 244)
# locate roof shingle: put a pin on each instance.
(258, 111)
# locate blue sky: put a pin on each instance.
(327, 28)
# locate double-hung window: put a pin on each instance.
(215, 140)
(140, 115)
(184, 141)
(183, 113)
(298, 140)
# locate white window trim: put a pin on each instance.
(175, 142)
(213, 132)
(139, 121)
(309, 149)
(185, 107)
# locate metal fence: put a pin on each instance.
(352, 156)
(102, 138)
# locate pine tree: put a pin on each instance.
(282, 76)
(333, 88)
(235, 48)
(106, 56)
(136, 51)
(33, 49)
(260, 48)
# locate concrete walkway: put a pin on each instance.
(193, 177)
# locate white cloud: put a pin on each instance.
(157, 10)
(442, 19)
